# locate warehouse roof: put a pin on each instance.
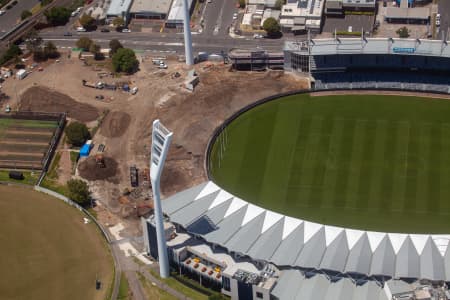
(371, 46)
(416, 13)
(265, 235)
(117, 7)
(176, 11)
(151, 6)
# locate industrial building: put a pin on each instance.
(150, 9)
(248, 252)
(405, 13)
(175, 17)
(118, 8)
(340, 7)
(302, 15)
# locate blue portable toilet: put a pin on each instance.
(84, 151)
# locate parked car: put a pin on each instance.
(125, 30)
(104, 30)
(2, 12)
(438, 19)
(258, 36)
(235, 16)
(162, 65)
(99, 97)
(81, 29)
(67, 33)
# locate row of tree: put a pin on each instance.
(123, 59)
(40, 51)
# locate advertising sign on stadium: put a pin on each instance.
(404, 50)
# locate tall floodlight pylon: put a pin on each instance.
(187, 34)
(161, 138)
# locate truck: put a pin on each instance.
(98, 85)
(21, 74)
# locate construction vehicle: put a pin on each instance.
(134, 176)
(98, 85)
(100, 161)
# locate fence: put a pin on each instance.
(71, 203)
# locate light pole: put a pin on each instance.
(161, 138)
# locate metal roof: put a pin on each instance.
(151, 6)
(396, 46)
(117, 7)
(292, 284)
(176, 11)
(226, 220)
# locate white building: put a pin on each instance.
(175, 17)
(302, 15)
(119, 8)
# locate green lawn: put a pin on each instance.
(369, 162)
(30, 178)
(47, 251)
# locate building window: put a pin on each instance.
(226, 283)
(259, 295)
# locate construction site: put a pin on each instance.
(119, 111)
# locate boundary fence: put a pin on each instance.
(218, 130)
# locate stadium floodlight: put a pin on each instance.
(161, 138)
(187, 34)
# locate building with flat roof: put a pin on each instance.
(408, 15)
(119, 8)
(175, 17)
(150, 9)
(339, 7)
(302, 15)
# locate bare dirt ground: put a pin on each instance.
(38, 98)
(115, 124)
(126, 130)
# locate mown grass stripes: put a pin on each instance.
(370, 162)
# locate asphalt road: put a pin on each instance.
(165, 42)
(218, 17)
(12, 16)
(444, 10)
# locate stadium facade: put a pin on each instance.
(410, 64)
(249, 252)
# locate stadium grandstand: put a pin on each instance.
(350, 63)
(248, 252)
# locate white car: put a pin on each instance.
(81, 29)
(2, 12)
(126, 30)
(162, 66)
(235, 15)
(438, 22)
(257, 36)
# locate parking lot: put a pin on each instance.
(356, 22)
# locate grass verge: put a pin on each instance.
(30, 178)
(153, 292)
(180, 287)
(124, 293)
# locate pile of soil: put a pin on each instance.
(39, 98)
(115, 124)
(89, 170)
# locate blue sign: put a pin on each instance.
(403, 50)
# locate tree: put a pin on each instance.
(87, 22)
(118, 22)
(279, 4)
(78, 191)
(33, 41)
(50, 50)
(114, 45)
(271, 26)
(57, 16)
(95, 49)
(124, 60)
(25, 14)
(84, 43)
(12, 52)
(77, 133)
(241, 3)
(403, 32)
